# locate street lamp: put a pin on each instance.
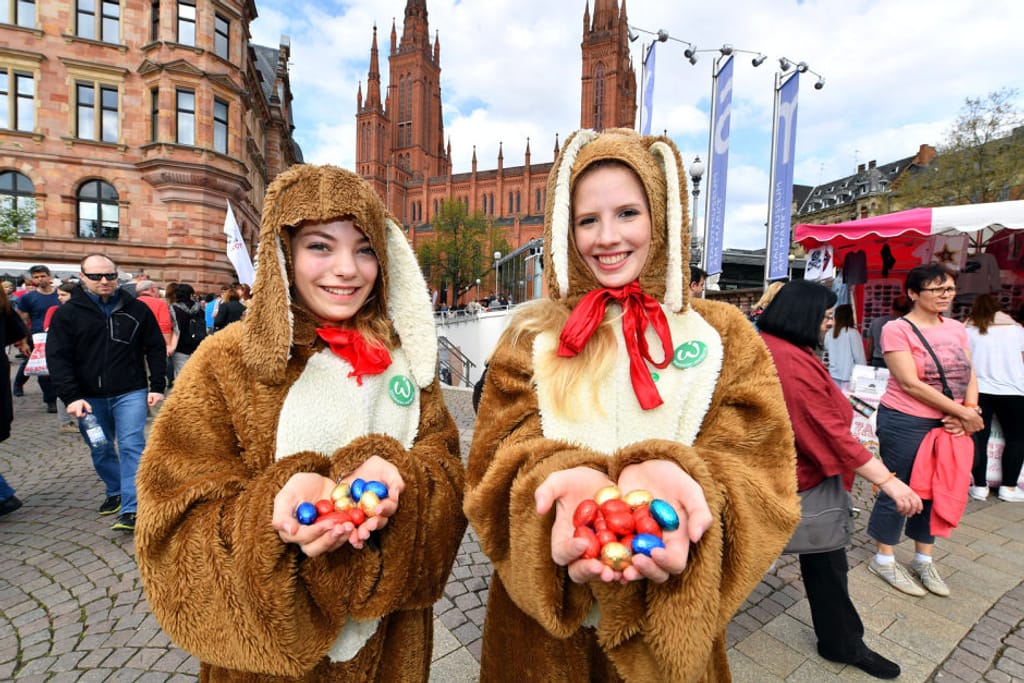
(696, 173)
(478, 289)
(497, 273)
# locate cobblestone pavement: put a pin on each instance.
(72, 607)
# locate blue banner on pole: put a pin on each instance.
(782, 174)
(648, 91)
(722, 98)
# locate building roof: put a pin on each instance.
(869, 179)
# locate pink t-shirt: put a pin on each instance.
(950, 344)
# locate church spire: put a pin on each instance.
(415, 34)
(373, 78)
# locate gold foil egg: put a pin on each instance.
(368, 501)
(637, 498)
(607, 493)
(340, 491)
(616, 556)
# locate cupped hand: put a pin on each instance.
(314, 539)
(565, 490)
(666, 480)
(376, 468)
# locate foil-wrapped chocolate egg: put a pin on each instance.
(645, 543)
(584, 513)
(306, 513)
(340, 492)
(664, 515)
(357, 515)
(637, 498)
(335, 516)
(345, 503)
(368, 501)
(615, 505)
(607, 493)
(377, 487)
(619, 523)
(616, 556)
(593, 545)
(324, 506)
(356, 489)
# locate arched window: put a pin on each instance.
(538, 202)
(97, 209)
(18, 193)
(518, 199)
(599, 97)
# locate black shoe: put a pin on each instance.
(125, 522)
(9, 505)
(51, 407)
(111, 505)
(870, 662)
(18, 391)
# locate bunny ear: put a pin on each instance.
(409, 307)
(561, 209)
(268, 327)
(678, 252)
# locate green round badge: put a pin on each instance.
(689, 354)
(655, 376)
(401, 390)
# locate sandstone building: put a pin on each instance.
(131, 123)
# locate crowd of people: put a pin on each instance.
(623, 377)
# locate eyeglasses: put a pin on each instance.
(940, 291)
(96, 277)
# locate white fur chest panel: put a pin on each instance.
(619, 420)
(326, 409)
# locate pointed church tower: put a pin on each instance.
(609, 81)
(372, 128)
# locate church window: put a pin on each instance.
(599, 97)
(538, 202)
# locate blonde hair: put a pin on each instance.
(594, 361)
(769, 294)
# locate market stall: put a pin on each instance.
(984, 243)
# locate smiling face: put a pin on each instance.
(612, 224)
(335, 269)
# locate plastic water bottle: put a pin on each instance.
(93, 431)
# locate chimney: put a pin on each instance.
(871, 164)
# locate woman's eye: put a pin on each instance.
(586, 220)
(629, 213)
(317, 246)
(368, 251)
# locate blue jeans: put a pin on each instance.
(5, 489)
(123, 418)
(899, 437)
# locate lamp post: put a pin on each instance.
(478, 289)
(497, 273)
(696, 173)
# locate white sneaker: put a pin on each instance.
(896, 576)
(978, 492)
(1011, 494)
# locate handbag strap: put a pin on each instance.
(947, 392)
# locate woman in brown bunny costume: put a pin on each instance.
(618, 378)
(330, 376)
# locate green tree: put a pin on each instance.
(15, 218)
(462, 249)
(980, 160)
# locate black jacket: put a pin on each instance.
(229, 312)
(91, 355)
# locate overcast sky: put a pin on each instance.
(897, 73)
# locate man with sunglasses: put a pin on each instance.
(97, 351)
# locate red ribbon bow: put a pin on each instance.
(638, 309)
(365, 358)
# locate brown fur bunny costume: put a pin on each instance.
(723, 421)
(263, 400)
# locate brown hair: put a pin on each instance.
(842, 320)
(983, 312)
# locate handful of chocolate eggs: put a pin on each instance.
(348, 503)
(617, 526)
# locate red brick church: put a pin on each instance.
(400, 144)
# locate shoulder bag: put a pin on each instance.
(826, 519)
(946, 391)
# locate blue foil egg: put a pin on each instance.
(378, 487)
(306, 513)
(356, 489)
(664, 515)
(645, 543)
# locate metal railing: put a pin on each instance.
(453, 366)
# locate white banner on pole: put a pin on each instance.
(237, 253)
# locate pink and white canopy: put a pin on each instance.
(904, 230)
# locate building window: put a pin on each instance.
(511, 202)
(97, 210)
(17, 103)
(221, 36)
(186, 23)
(537, 210)
(96, 122)
(186, 108)
(17, 191)
(105, 26)
(154, 114)
(220, 125)
(599, 97)
(18, 12)
(154, 20)
(518, 198)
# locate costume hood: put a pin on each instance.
(274, 323)
(656, 161)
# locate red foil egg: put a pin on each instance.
(585, 513)
(615, 505)
(593, 545)
(620, 523)
(324, 506)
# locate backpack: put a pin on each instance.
(193, 331)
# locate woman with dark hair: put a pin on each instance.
(920, 396)
(231, 309)
(191, 318)
(843, 345)
(997, 347)
(792, 327)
